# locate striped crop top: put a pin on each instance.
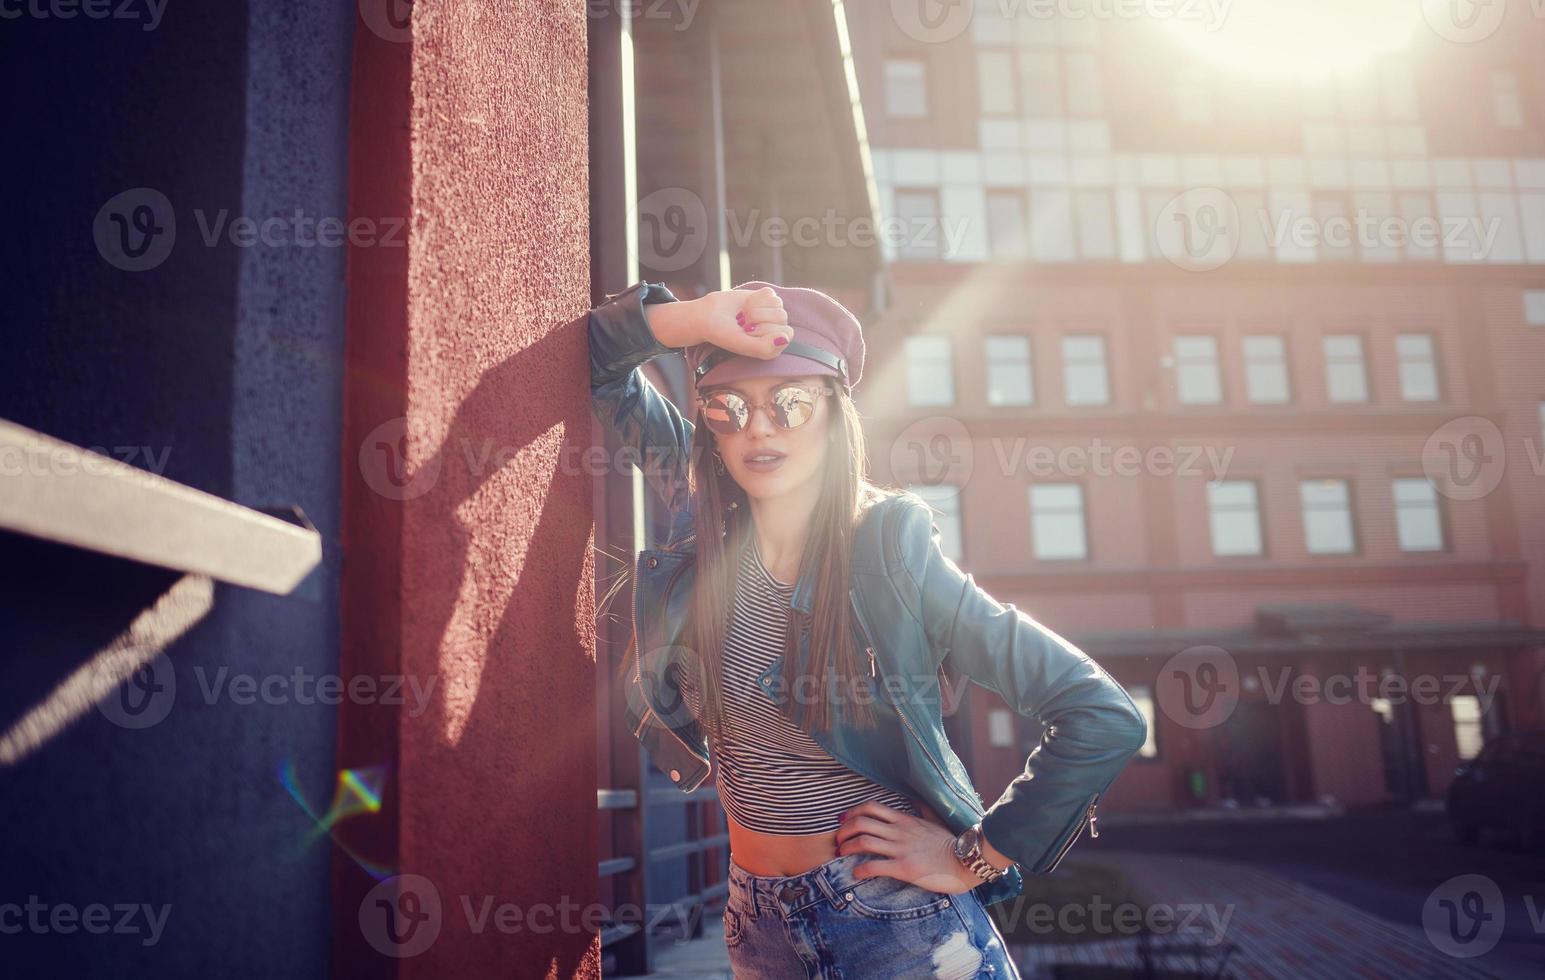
(772, 776)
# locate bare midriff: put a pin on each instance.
(782, 855)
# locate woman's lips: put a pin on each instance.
(756, 465)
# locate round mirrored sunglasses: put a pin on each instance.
(789, 406)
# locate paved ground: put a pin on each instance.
(1261, 925)
(1391, 863)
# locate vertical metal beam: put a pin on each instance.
(714, 266)
(614, 266)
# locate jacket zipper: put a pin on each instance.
(902, 714)
(1067, 845)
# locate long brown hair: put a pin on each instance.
(723, 530)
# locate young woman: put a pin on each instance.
(794, 637)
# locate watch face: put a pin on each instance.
(968, 841)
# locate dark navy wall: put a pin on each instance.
(220, 367)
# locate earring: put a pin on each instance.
(718, 463)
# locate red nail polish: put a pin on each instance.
(740, 318)
(748, 328)
(780, 341)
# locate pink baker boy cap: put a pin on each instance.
(828, 340)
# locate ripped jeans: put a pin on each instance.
(826, 923)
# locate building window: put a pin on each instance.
(944, 498)
(906, 88)
(1142, 696)
(1346, 380)
(1057, 521)
(1008, 230)
(1534, 307)
(1084, 378)
(1333, 218)
(1196, 370)
(1008, 371)
(1465, 710)
(1266, 372)
(995, 82)
(1418, 367)
(1418, 521)
(1234, 514)
(1327, 508)
(921, 232)
(930, 375)
(1000, 728)
(1418, 211)
(1505, 102)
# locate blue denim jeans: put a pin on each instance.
(826, 924)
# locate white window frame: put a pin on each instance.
(1223, 513)
(922, 229)
(930, 352)
(1044, 510)
(1198, 372)
(1417, 357)
(1327, 516)
(1265, 368)
(906, 88)
(996, 82)
(1418, 514)
(1142, 697)
(1010, 370)
(1008, 241)
(1534, 307)
(1085, 377)
(1346, 371)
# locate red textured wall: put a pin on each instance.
(471, 567)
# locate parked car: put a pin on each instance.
(1502, 788)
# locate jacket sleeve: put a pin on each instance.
(648, 425)
(1092, 726)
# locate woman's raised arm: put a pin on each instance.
(639, 324)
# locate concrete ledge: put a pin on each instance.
(59, 492)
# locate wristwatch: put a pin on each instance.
(967, 848)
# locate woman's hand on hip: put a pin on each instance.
(917, 851)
